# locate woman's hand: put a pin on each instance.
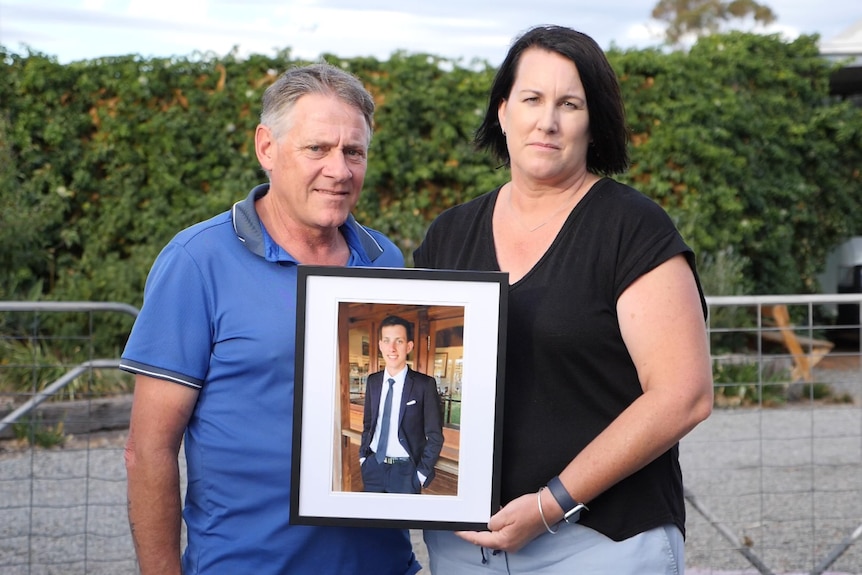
(514, 525)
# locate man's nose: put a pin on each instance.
(337, 167)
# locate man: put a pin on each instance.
(402, 432)
(213, 352)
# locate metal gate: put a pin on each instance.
(773, 478)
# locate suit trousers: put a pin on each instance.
(399, 477)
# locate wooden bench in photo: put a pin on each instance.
(806, 351)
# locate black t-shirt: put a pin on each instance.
(568, 372)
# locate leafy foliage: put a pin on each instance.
(747, 383)
(740, 142)
(422, 159)
(41, 435)
(102, 161)
(29, 365)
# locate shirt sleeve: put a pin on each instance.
(172, 336)
(648, 239)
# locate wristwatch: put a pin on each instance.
(571, 508)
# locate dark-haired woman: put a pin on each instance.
(607, 365)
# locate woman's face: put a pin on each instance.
(546, 120)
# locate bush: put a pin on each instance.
(103, 161)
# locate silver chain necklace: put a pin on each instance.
(547, 220)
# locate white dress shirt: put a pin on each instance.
(393, 446)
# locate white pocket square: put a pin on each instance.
(411, 402)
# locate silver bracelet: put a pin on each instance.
(542, 513)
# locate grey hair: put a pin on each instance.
(321, 78)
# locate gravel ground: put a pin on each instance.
(785, 482)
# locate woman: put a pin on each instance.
(607, 365)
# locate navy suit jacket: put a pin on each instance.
(420, 419)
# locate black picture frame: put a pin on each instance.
(315, 496)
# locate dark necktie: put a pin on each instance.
(384, 425)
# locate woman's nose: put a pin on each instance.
(548, 119)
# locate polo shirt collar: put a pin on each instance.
(249, 230)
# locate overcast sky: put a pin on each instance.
(82, 29)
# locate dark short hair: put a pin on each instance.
(397, 320)
(608, 152)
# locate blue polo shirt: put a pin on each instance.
(219, 316)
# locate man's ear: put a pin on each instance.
(409, 347)
(264, 147)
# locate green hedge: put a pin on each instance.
(741, 142)
(102, 161)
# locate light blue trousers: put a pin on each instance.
(574, 549)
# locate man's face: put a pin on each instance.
(317, 160)
(394, 347)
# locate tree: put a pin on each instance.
(700, 17)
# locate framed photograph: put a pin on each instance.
(438, 338)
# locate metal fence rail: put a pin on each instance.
(773, 478)
(62, 511)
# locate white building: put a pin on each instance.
(846, 48)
